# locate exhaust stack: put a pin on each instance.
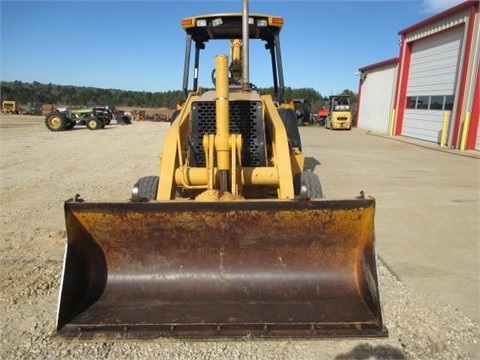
(245, 40)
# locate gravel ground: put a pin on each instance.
(40, 169)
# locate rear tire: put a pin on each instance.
(145, 189)
(55, 121)
(311, 182)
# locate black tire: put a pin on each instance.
(55, 121)
(93, 124)
(311, 182)
(146, 189)
(289, 119)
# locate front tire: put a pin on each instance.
(308, 182)
(145, 189)
(93, 124)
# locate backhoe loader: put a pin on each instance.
(232, 238)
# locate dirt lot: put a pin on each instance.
(40, 169)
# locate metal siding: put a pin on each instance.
(438, 26)
(434, 64)
(376, 100)
(422, 124)
(433, 71)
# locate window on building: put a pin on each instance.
(436, 102)
(433, 102)
(448, 102)
(422, 102)
(411, 102)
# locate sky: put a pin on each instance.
(140, 45)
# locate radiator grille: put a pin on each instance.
(245, 119)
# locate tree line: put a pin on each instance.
(35, 92)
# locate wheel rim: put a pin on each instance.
(55, 122)
(92, 124)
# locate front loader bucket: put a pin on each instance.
(191, 269)
(123, 120)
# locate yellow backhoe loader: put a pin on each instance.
(232, 238)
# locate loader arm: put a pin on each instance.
(176, 172)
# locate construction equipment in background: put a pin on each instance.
(9, 107)
(66, 119)
(93, 118)
(322, 115)
(230, 238)
(138, 115)
(109, 113)
(339, 112)
(33, 108)
(303, 110)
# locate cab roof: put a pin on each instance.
(229, 26)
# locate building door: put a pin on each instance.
(431, 84)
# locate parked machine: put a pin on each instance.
(109, 113)
(93, 118)
(231, 238)
(9, 107)
(303, 110)
(322, 115)
(66, 119)
(339, 114)
(33, 108)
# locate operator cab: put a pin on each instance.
(203, 28)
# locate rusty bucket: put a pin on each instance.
(191, 269)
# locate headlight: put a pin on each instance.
(217, 22)
(262, 23)
(201, 22)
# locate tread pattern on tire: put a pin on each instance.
(311, 181)
(47, 121)
(147, 187)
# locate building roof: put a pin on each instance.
(379, 64)
(441, 15)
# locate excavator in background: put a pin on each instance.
(232, 237)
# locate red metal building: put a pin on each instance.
(435, 91)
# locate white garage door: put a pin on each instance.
(431, 84)
(376, 100)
